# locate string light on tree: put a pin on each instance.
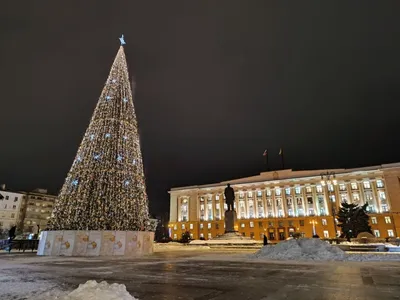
(105, 191)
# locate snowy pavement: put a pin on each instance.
(199, 275)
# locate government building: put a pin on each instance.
(280, 203)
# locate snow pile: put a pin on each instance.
(301, 249)
(92, 290)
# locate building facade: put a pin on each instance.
(38, 206)
(11, 208)
(281, 203)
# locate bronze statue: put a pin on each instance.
(229, 197)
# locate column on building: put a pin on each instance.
(209, 207)
(193, 206)
(173, 207)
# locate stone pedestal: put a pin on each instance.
(95, 243)
(230, 221)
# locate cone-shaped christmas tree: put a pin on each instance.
(105, 187)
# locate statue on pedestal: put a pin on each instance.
(229, 197)
(230, 214)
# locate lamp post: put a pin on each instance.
(329, 178)
(314, 230)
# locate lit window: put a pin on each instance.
(343, 197)
(382, 195)
(326, 234)
(388, 220)
(356, 197)
(330, 187)
(216, 197)
(373, 220)
(354, 186)
(183, 226)
(269, 193)
(241, 195)
(280, 213)
(323, 221)
(390, 233)
(250, 194)
(202, 235)
(190, 226)
(290, 212)
(278, 191)
(367, 185)
(308, 189)
(191, 236)
(311, 212)
(332, 198)
(259, 194)
(342, 187)
(217, 206)
(379, 183)
(242, 225)
(209, 236)
(319, 189)
(175, 236)
(377, 233)
(251, 224)
(209, 225)
(175, 227)
(287, 191)
(201, 226)
(297, 190)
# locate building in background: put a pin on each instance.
(281, 203)
(38, 206)
(11, 208)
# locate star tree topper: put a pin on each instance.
(121, 39)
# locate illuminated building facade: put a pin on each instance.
(281, 203)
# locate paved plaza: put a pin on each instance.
(202, 275)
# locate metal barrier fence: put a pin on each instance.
(19, 245)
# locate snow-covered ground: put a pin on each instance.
(316, 249)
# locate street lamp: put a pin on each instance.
(314, 230)
(329, 178)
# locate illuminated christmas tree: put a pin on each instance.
(105, 187)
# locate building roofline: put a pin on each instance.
(301, 174)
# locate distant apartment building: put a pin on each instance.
(11, 208)
(38, 206)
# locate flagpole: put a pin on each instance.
(282, 158)
(265, 154)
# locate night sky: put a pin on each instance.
(217, 82)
